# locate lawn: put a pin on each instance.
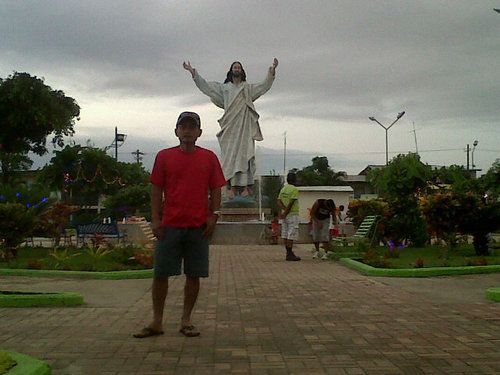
(430, 256)
(81, 259)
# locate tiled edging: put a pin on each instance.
(417, 272)
(32, 299)
(27, 365)
(493, 294)
(111, 275)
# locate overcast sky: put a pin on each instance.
(340, 62)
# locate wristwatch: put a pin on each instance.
(216, 213)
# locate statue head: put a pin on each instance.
(238, 71)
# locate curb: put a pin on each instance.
(418, 272)
(493, 294)
(32, 299)
(111, 275)
(27, 365)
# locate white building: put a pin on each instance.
(341, 195)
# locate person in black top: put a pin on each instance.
(321, 212)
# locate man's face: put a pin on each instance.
(237, 70)
(188, 131)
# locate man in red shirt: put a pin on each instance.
(185, 204)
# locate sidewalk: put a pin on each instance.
(261, 315)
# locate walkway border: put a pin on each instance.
(27, 365)
(417, 272)
(31, 299)
(493, 294)
(111, 275)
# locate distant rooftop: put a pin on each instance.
(370, 167)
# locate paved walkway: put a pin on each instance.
(261, 315)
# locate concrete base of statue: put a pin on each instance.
(252, 233)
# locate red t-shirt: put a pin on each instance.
(186, 179)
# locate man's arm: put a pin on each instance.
(281, 205)
(215, 200)
(288, 208)
(314, 211)
(156, 210)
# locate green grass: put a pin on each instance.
(78, 259)
(431, 256)
(6, 362)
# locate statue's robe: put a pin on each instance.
(239, 125)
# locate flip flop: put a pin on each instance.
(189, 331)
(147, 332)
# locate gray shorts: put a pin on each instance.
(180, 244)
(323, 234)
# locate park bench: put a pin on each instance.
(90, 230)
(367, 230)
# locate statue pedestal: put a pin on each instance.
(242, 214)
(241, 209)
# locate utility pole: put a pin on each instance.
(284, 155)
(138, 155)
(468, 149)
(415, 134)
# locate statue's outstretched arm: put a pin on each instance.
(188, 67)
(272, 69)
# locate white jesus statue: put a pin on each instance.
(239, 124)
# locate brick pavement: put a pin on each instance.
(261, 315)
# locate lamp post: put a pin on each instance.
(400, 114)
(473, 148)
(118, 138)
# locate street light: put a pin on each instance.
(117, 142)
(400, 114)
(473, 148)
(118, 138)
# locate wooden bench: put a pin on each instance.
(90, 230)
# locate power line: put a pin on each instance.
(367, 153)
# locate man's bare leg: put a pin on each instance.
(326, 248)
(191, 289)
(316, 246)
(245, 192)
(159, 294)
(232, 192)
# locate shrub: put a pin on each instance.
(16, 224)
(373, 259)
(34, 265)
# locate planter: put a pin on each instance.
(27, 365)
(31, 299)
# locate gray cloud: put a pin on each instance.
(339, 61)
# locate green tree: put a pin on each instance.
(87, 172)
(458, 177)
(271, 186)
(401, 182)
(491, 180)
(29, 112)
(319, 173)
(130, 200)
(16, 223)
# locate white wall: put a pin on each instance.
(341, 195)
